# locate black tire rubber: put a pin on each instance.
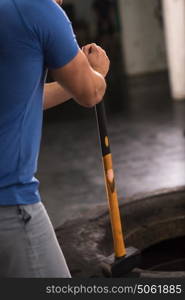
(148, 220)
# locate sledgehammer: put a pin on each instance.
(123, 260)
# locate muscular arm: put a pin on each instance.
(55, 94)
(80, 81)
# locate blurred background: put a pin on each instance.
(145, 106)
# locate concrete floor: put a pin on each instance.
(146, 131)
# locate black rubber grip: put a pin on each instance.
(102, 128)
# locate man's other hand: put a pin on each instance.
(97, 58)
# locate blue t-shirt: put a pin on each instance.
(34, 35)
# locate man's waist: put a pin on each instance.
(20, 193)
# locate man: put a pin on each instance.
(35, 36)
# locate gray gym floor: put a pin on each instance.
(147, 135)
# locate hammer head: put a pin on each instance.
(121, 267)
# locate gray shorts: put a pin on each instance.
(28, 244)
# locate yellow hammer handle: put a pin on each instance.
(119, 245)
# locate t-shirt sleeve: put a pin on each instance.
(61, 45)
(55, 33)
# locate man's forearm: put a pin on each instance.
(54, 95)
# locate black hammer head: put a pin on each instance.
(123, 266)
